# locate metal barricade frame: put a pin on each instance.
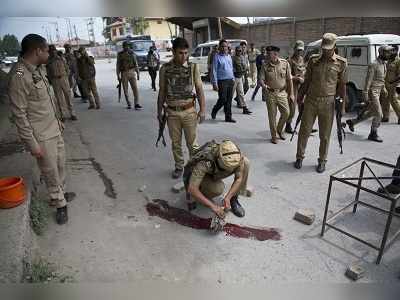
(365, 163)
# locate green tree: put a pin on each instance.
(139, 25)
(10, 45)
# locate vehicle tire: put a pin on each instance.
(352, 98)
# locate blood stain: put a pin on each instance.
(162, 209)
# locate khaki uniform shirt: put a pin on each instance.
(392, 71)
(57, 67)
(32, 104)
(253, 55)
(245, 61)
(86, 68)
(203, 168)
(297, 67)
(375, 76)
(165, 83)
(276, 76)
(72, 64)
(323, 76)
(126, 60)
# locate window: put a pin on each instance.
(114, 32)
(355, 52)
(206, 51)
(357, 55)
(121, 31)
(197, 52)
(142, 46)
(341, 50)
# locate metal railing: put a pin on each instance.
(365, 163)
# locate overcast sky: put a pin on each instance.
(20, 26)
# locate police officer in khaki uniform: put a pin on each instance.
(127, 69)
(58, 72)
(33, 106)
(325, 78)
(374, 89)
(298, 69)
(205, 171)
(73, 69)
(392, 80)
(87, 77)
(210, 60)
(239, 70)
(252, 55)
(276, 80)
(177, 79)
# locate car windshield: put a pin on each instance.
(234, 44)
(141, 46)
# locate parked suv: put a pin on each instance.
(141, 48)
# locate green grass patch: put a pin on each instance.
(39, 212)
(42, 271)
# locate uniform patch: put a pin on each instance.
(36, 78)
(19, 72)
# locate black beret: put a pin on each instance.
(273, 48)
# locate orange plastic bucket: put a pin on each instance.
(12, 192)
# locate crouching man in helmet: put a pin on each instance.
(204, 172)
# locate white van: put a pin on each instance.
(200, 53)
(360, 51)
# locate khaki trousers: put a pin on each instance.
(293, 104)
(52, 167)
(62, 90)
(324, 109)
(90, 90)
(130, 77)
(391, 99)
(277, 101)
(179, 121)
(238, 88)
(253, 73)
(374, 110)
(212, 188)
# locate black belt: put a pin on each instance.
(182, 107)
(276, 90)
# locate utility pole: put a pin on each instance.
(68, 23)
(76, 37)
(57, 31)
(46, 33)
(219, 28)
(90, 28)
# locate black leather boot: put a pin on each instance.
(237, 209)
(288, 128)
(321, 166)
(373, 136)
(62, 215)
(69, 196)
(298, 163)
(350, 124)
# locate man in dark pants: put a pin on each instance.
(153, 64)
(223, 81)
(394, 186)
(260, 59)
